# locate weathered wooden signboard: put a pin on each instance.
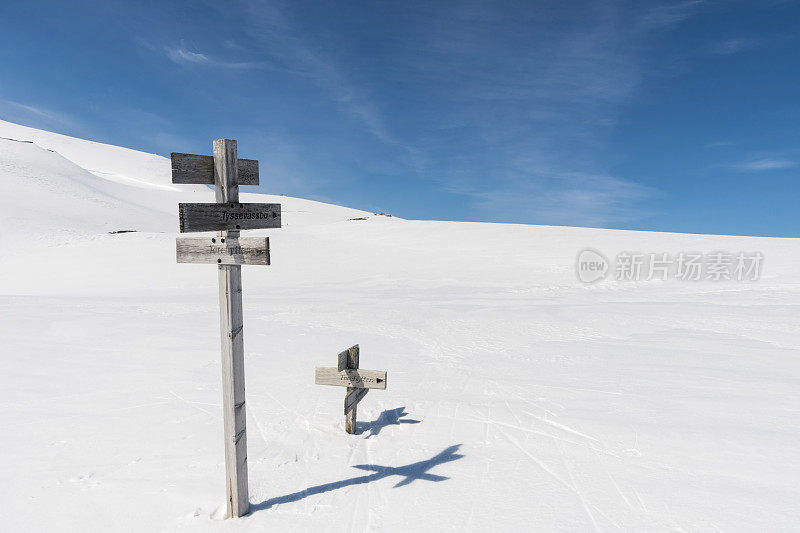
(228, 251)
(358, 382)
(199, 169)
(231, 216)
(223, 251)
(367, 379)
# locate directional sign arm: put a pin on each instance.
(359, 379)
(199, 170)
(223, 250)
(231, 216)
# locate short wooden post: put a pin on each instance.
(350, 418)
(358, 383)
(231, 324)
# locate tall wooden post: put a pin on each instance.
(227, 217)
(350, 417)
(231, 323)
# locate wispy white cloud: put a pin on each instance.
(565, 199)
(763, 164)
(299, 54)
(515, 106)
(179, 55)
(732, 46)
(38, 116)
(667, 15)
(719, 144)
(540, 113)
(37, 111)
(286, 167)
(182, 56)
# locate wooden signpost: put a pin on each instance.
(228, 216)
(224, 250)
(358, 382)
(199, 169)
(228, 251)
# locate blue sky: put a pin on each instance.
(669, 116)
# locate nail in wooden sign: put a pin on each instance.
(231, 216)
(199, 169)
(223, 250)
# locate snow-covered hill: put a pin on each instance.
(54, 185)
(519, 398)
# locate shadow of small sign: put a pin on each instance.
(390, 417)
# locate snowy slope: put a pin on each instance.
(86, 187)
(519, 399)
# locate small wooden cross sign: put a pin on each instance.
(358, 382)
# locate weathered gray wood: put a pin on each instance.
(199, 169)
(343, 358)
(229, 216)
(352, 398)
(359, 379)
(351, 414)
(353, 354)
(223, 250)
(358, 382)
(231, 325)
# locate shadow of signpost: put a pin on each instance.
(390, 417)
(409, 473)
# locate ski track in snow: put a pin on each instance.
(518, 399)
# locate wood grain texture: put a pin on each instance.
(232, 340)
(350, 415)
(199, 169)
(223, 250)
(342, 358)
(359, 379)
(228, 216)
(352, 398)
